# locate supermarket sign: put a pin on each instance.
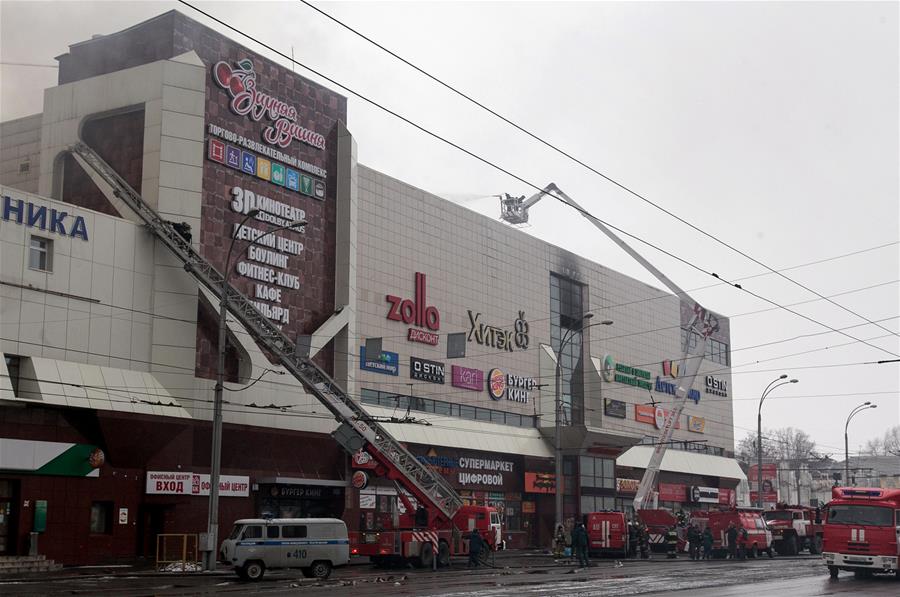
(183, 483)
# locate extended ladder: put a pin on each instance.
(358, 430)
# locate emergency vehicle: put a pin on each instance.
(607, 533)
(759, 537)
(439, 511)
(862, 531)
(795, 528)
(658, 523)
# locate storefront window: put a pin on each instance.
(597, 472)
(449, 409)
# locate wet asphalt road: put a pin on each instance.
(515, 575)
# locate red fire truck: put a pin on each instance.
(795, 528)
(759, 537)
(607, 533)
(862, 531)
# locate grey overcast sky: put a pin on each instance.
(773, 126)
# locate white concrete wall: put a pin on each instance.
(20, 153)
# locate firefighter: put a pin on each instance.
(633, 534)
(475, 544)
(672, 543)
(644, 541)
(693, 537)
(559, 542)
(580, 544)
(707, 543)
(742, 544)
(732, 534)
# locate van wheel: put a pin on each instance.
(443, 554)
(254, 570)
(320, 570)
(426, 557)
(833, 571)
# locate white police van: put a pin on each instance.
(315, 545)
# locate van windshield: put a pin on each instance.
(875, 516)
(778, 515)
(236, 531)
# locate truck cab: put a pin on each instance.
(795, 528)
(862, 531)
(607, 532)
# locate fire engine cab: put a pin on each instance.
(607, 533)
(795, 528)
(862, 531)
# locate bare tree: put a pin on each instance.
(746, 447)
(796, 448)
(891, 441)
(874, 446)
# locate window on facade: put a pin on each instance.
(566, 317)
(293, 531)
(597, 472)
(595, 503)
(40, 254)
(467, 412)
(101, 518)
(716, 351)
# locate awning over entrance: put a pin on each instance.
(679, 461)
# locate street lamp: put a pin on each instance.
(212, 525)
(570, 333)
(759, 475)
(858, 409)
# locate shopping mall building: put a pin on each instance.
(110, 346)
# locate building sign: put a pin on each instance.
(472, 471)
(425, 370)
(696, 424)
(416, 312)
(672, 492)
(268, 255)
(704, 495)
(247, 100)
(671, 368)
(51, 220)
(665, 387)
(632, 376)
(514, 387)
(184, 483)
(614, 408)
(727, 497)
(540, 483)
(769, 482)
(260, 167)
(468, 379)
(495, 337)
(387, 363)
(656, 416)
(719, 387)
(627, 485)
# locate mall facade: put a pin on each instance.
(110, 347)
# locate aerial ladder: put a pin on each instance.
(701, 325)
(358, 431)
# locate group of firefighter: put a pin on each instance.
(699, 543)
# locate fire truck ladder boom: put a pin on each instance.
(694, 349)
(357, 430)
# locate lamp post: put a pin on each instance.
(212, 525)
(759, 475)
(558, 407)
(858, 409)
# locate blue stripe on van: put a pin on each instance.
(296, 542)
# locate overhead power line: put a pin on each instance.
(587, 166)
(521, 179)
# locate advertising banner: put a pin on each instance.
(466, 378)
(387, 363)
(540, 483)
(614, 408)
(672, 492)
(696, 424)
(644, 413)
(185, 483)
(627, 485)
(769, 482)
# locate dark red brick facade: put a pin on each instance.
(136, 444)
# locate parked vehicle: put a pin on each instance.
(795, 528)
(314, 545)
(759, 537)
(862, 531)
(607, 533)
(658, 523)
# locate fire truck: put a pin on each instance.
(607, 533)
(795, 528)
(439, 521)
(862, 531)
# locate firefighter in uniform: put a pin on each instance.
(672, 543)
(475, 545)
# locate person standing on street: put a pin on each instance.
(732, 534)
(644, 541)
(580, 544)
(742, 544)
(475, 545)
(559, 542)
(672, 543)
(693, 537)
(707, 543)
